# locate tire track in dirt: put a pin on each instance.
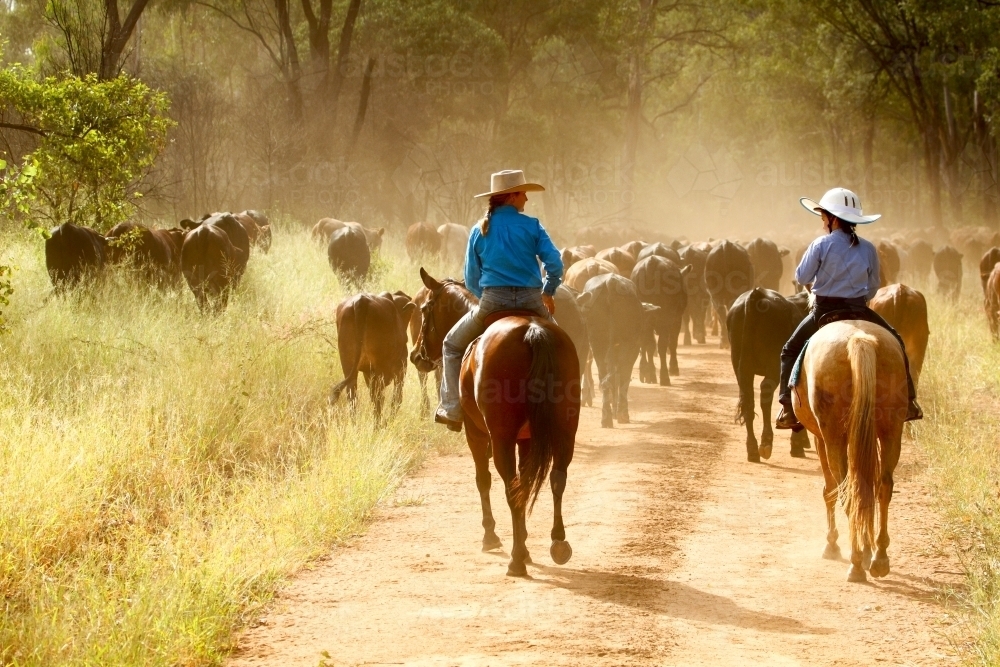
(684, 554)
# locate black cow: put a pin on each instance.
(760, 322)
(615, 318)
(919, 260)
(264, 227)
(73, 253)
(660, 282)
(570, 318)
(155, 253)
(986, 264)
(948, 269)
(349, 254)
(234, 231)
(210, 263)
(767, 265)
(728, 274)
(660, 250)
(697, 291)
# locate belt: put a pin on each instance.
(831, 302)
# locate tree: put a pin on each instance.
(94, 37)
(96, 140)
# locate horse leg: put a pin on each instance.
(522, 460)
(800, 442)
(890, 457)
(560, 550)
(767, 387)
(830, 486)
(479, 443)
(503, 458)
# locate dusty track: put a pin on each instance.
(684, 554)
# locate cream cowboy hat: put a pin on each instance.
(842, 203)
(509, 180)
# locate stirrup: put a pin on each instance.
(450, 423)
(787, 420)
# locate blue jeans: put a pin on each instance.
(471, 327)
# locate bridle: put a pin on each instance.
(427, 323)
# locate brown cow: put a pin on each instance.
(371, 339)
(578, 274)
(155, 252)
(422, 239)
(323, 229)
(888, 263)
(986, 264)
(623, 260)
(577, 253)
(454, 240)
(906, 310)
(634, 247)
(991, 301)
(210, 263)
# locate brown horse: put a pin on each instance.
(852, 396)
(520, 392)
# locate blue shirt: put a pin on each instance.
(506, 256)
(836, 269)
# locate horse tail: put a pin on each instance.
(862, 448)
(745, 401)
(351, 372)
(538, 459)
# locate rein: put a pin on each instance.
(427, 324)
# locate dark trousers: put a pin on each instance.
(810, 325)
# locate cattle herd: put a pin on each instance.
(635, 298)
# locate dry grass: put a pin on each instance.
(161, 471)
(959, 437)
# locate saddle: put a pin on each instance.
(849, 313)
(498, 315)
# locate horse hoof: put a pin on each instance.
(560, 551)
(797, 453)
(764, 451)
(515, 569)
(492, 543)
(879, 567)
(832, 552)
(856, 575)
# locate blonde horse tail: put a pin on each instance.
(859, 492)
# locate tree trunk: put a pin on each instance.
(319, 41)
(932, 170)
(633, 108)
(116, 36)
(366, 89)
(293, 71)
(343, 53)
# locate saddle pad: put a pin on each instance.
(797, 368)
(497, 315)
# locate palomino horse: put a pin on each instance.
(852, 396)
(520, 392)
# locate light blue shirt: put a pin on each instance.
(506, 256)
(836, 269)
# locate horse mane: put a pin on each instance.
(462, 292)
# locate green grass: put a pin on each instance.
(959, 439)
(162, 471)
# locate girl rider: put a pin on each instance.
(844, 272)
(501, 269)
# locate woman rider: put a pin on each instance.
(844, 272)
(501, 269)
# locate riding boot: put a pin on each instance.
(913, 411)
(787, 419)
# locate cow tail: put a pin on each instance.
(534, 468)
(863, 466)
(351, 372)
(745, 401)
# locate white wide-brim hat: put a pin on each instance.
(842, 203)
(509, 180)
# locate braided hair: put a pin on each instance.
(496, 201)
(849, 229)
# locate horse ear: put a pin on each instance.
(429, 282)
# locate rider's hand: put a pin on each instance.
(550, 303)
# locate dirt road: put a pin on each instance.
(684, 554)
